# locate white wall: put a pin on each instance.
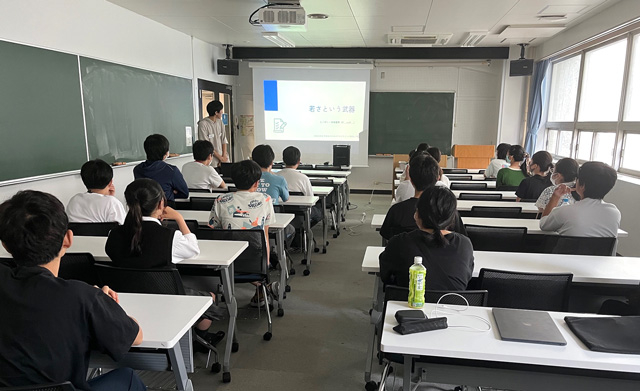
(513, 104)
(99, 29)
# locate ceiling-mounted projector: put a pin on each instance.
(279, 15)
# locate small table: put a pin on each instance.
(533, 226)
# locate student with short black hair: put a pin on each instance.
(564, 172)
(424, 173)
(211, 129)
(297, 181)
(199, 174)
(168, 176)
(499, 162)
(514, 174)
(49, 326)
(590, 216)
(437, 155)
(540, 167)
(422, 147)
(448, 256)
(274, 185)
(98, 204)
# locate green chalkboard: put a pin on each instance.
(399, 121)
(123, 105)
(41, 128)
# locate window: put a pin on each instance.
(552, 140)
(564, 143)
(631, 157)
(602, 82)
(585, 141)
(632, 103)
(604, 146)
(564, 89)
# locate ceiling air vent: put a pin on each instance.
(418, 40)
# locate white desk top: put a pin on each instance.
(506, 194)
(338, 181)
(527, 207)
(377, 220)
(585, 268)
(487, 346)
(301, 200)
(339, 174)
(202, 217)
(317, 190)
(469, 170)
(322, 190)
(490, 184)
(164, 319)
(533, 225)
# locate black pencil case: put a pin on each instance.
(409, 316)
(419, 326)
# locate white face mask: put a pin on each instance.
(553, 180)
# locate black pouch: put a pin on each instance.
(409, 315)
(419, 326)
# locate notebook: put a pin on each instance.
(527, 326)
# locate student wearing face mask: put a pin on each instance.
(565, 172)
(538, 171)
(511, 176)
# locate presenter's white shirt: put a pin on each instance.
(589, 217)
(296, 181)
(95, 208)
(199, 176)
(213, 131)
(494, 166)
(184, 246)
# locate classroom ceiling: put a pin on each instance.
(366, 23)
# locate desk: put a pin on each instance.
(483, 359)
(474, 177)
(490, 184)
(304, 203)
(377, 220)
(506, 194)
(527, 207)
(533, 226)
(164, 320)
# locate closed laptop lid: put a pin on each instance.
(527, 326)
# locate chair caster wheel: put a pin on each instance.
(235, 346)
(292, 271)
(335, 236)
(280, 312)
(324, 250)
(284, 296)
(215, 368)
(226, 377)
(371, 386)
(327, 243)
(303, 262)
(316, 250)
(343, 220)
(287, 288)
(306, 272)
(267, 336)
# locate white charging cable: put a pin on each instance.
(444, 309)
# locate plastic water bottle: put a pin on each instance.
(417, 280)
(565, 199)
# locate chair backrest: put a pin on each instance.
(461, 178)
(481, 197)
(507, 188)
(296, 193)
(504, 212)
(321, 182)
(581, 245)
(226, 169)
(199, 190)
(329, 167)
(278, 165)
(66, 386)
(156, 281)
(454, 170)
(305, 167)
(202, 203)
(530, 291)
(503, 239)
(253, 259)
(476, 298)
(468, 186)
(79, 266)
(92, 229)
(191, 224)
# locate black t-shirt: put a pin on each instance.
(530, 188)
(400, 219)
(448, 268)
(48, 326)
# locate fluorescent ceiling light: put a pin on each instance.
(278, 39)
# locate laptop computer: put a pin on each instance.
(527, 326)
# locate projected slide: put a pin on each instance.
(314, 110)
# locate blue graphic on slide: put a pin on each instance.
(270, 95)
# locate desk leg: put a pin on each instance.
(307, 228)
(324, 225)
(374, 319)
(179, 369)
(232, 306)
(284, 270)
(406, 372)
(337, 210)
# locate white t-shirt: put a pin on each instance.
(404, 191)
(95, 208)
(213, 131)
(184, 246)
(589, 217)
(199, 176)
(296, 181)
(494, 166)
(242, 210)
(444, 180)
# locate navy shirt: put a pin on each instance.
(167, 175)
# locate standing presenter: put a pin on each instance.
(211, 129)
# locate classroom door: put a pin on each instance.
(209, 91)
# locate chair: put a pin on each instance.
(155, 281)
(507, 188)
(278, 165)
(530, 291)
(66, 386)
(191, 224)
(92, 229)
(503, 239)
(202, 203)
(468, 186)
(328, 167)
(461, 178)
(502, 212)
(321, 182)
(79, 266)
(305, 167)
(581, 245)
(251, 266)
(199, 190)
(454, 171)
(481, 197)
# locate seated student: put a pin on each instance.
(199, 174)
(499, 162)
(49, 326)
(297, 181)
(98, 204)
(448, 256)
(564, 172)
(590, 216)
(424, 172)
(246, 208)
(437, 155)
(270, 183)
(168, 176)
(405, 189)
(422, 147)
(540, 166)
(143, 243)
(514, 174)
